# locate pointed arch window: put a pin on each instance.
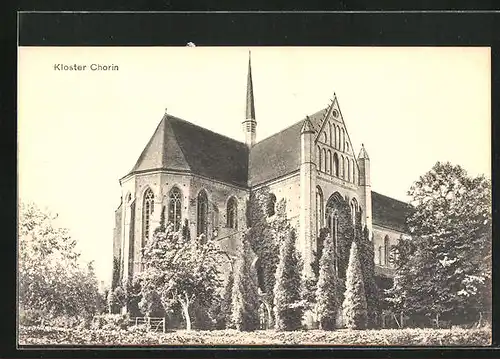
(202, 213)
(174, 207)
(386, 250)
(319, 209)
(348, 170)
(330, 132)
(380, 255)
(353, 168)
(329, 162)
(147, 211)
(319, 157)
(232, 213)
(271, 205)
(325, 138)
(337, 136)
(335, 164)
(343, 140)
(323, 167)
(342, 162)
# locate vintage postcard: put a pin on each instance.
(254, 196)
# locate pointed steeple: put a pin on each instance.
(249, 124)
(250, 108)
(363, 154)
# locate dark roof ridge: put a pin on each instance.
(203, 128)
(394, 199)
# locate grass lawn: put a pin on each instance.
(384, 337)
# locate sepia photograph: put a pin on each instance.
(198, 195)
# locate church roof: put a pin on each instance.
(180, 145)
(389, 212)
(279, 154)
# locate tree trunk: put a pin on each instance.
(185, 312)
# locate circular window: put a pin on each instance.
(335, 113)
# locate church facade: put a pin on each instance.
(203, 180)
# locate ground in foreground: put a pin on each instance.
(385, 337)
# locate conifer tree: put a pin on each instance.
(288, 308)
(327, 293)
(354, 306)
(245, 300)
(226, 305)
(372, 292)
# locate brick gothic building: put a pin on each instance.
(204, 179)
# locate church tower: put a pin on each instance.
(250, 124)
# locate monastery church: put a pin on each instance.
(203, 180)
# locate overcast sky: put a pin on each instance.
(79, 132)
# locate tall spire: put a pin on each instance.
(249, 124)
(250, 109)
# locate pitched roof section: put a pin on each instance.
(279, 154)
(180, 145)
(389, 212)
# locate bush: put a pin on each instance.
(138, 336)
(30, 317)
(111, 321)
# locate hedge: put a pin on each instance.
(139, 336)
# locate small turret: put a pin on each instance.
(365, 183)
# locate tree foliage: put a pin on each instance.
(354, 305)
(367, 261)
(262, 237)
(245, 297)
(51, 278)
(179, 272)
(444, 268)
(327, 292)
(288, 308)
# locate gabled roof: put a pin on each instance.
(279, 154)
(180, 145)
(389, 212)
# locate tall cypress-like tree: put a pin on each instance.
(327, 295)
(226, 305)
(288, 309)
(372, 291)
(245, 300)
(354, 305)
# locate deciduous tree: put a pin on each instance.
(443, 271)
(180, 272)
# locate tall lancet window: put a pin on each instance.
(232, 213)
(386, 250)
(348, 170)
(147, 211)
(202, 213)
(174, 208)
(329, 162)
(319, 209)
(335, 165)
(318, 152)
